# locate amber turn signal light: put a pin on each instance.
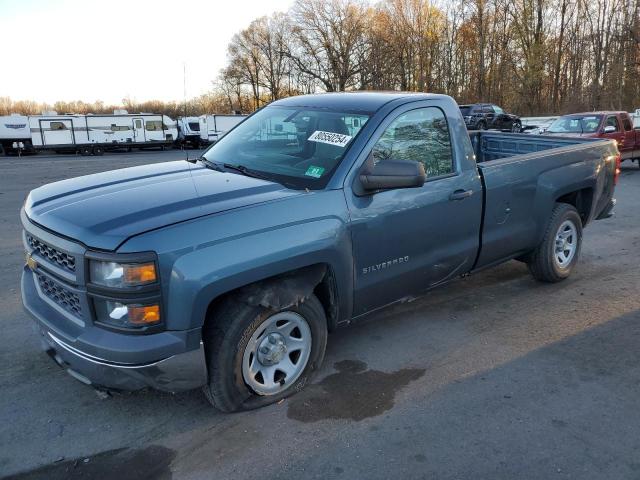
(143, 314)
(141, 273)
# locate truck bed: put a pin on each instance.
(521, 175)
(496, 145)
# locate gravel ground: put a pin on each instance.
(495, 376)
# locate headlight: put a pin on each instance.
(122, 275)
(127, 315)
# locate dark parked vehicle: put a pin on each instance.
(487, 116)
(228, 273)
(616, 126)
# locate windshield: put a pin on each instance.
(575, 124)
(299, 147)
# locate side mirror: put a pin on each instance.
(609, 129)
(391, 174)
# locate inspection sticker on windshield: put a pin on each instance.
(331, 138)
(315, 172)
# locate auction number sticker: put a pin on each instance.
(337, 139)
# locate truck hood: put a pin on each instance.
(105, 209)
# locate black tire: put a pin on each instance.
(516, 127)
(226, 335)
(98, 150)
(482, 126)
(85, 150)
(542, 261)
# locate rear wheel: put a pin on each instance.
(557, 254)
(516, 127)
(98, 150)
(257, 356)
(85, 150)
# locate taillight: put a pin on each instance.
(617, 172)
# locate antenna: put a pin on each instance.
(184, 86)
(184, 93)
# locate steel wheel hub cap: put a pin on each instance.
(566, 244)
(272, 349)
(277, 353)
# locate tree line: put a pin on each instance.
(211, 102)
(529, 56)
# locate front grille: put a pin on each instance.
(59, 294)
(46, 251)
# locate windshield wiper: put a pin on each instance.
(242, 170)
(209, 164)
(245, 171)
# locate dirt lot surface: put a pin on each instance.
(494, 377)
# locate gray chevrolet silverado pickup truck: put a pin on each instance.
(227, 272)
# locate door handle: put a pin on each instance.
(460, 194)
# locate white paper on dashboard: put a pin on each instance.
(337, 139)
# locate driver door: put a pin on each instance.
(407, 240)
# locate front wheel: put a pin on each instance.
(557, 254)
(516, 127)
(257, 356)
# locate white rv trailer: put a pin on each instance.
(189, 131)
(93, 134)
(213, 127)
(15, 134)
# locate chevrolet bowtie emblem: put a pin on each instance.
(31, 263)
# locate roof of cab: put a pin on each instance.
(352, 101)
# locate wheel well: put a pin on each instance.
(286, 289)
(581, 200)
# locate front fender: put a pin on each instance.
(204, 258)
(201, 276)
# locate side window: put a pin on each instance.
(612, 121)
(138, 124)
(153, 125)
(498, 110)
(58, 126)
(627, 123)
(487, 109)
(421, 135)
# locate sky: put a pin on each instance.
(113, 49)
